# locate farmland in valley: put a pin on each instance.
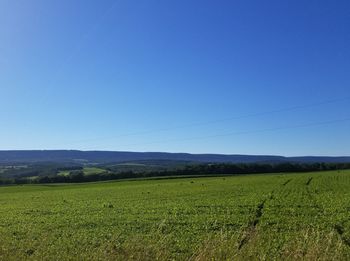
(275, 216)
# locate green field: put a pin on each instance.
(92, 170)
(257, 217)
(63, 173)
(87, 171)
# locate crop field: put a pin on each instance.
(86, 171)
(90, 171)
(254, 217)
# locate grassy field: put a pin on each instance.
(87, 171)
(92, 170)
(258, 217)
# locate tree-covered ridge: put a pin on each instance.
(76, 174)
(76, 156)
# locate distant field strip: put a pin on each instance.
(256, 217)
(90, 171)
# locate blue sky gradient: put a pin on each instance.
(177, 76)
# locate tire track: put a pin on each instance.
(308, 181)
(250, 230)
(338, 227)
(285, 183)
(340, 230)
(312, 197)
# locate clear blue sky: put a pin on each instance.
(177, 76)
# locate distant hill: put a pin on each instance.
(37, 156)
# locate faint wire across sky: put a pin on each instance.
(204, 123)
(307, 125)
(77, 48)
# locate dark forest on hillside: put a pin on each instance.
(76, 174)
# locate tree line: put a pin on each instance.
(77, 175)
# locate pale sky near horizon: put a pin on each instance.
(235, 77)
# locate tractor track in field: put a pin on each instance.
(312, 197)
(340, 230)
(338, 227)
(250, 230)
(309, 181)
(285, 183)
